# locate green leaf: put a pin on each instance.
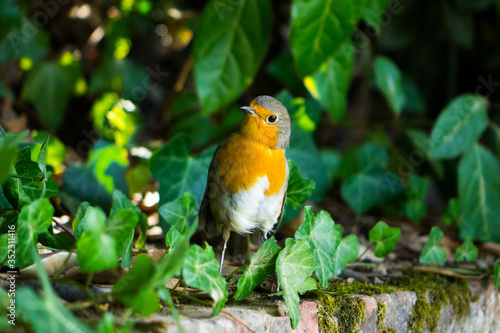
(364, 191)
(330, 83)
(201, 270)
(422, 144)
(385, 237)
(323, 240)
(178, 172)
(452, 212)
(388, 80)
(294, 265)
(231, 42)
(467, 251)
(4, 244)
(49, 86)
(56, 150)
(347, 251)
(432, 253)
(180, 212)
(4, 303)
(479, 194)
(34, 219)
(108, 162)
(416, 193)
(96, 252)
(121, 228)
(88, 219)
(373, 14)
(414, 102)
(8, 150)
(496, 278)
(299, 189)
(332, 160)
(372, 158)
(262, 263)
(134, 288)
(46, 314)
(172, 236)
(458, 126)
(318, 29)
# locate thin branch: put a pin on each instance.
(59, 225)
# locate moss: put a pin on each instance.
(341, 313)
(434, 292)
(381, 311)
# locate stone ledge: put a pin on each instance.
(270, 315)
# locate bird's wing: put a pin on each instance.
(205, 216)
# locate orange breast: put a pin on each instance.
(242, 162)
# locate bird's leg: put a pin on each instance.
(225, 237)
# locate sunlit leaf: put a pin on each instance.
(180, 212)
(458, 126)
(385, 238)
(294, 265)
(262, 263)
(229, 48)
(432, 253)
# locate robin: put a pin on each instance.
(248, 176)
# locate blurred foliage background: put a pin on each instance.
(365, 83)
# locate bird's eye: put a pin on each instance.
(272, 119)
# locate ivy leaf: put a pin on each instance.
(201, 270)
(364, 191)
(467, 251)
(4, 243)
(172, 236)
(229, 49)
(262, 263)
(452, 212)
(416, 193)
(34, 219)
(330, 83)
(372, 158)
(178, 172)
(372, 12)
(389, 81)
(458, 126)
(432, 253)
(8, 150)
(385, 237)
(46, 313)
(299, 189)
(347, 251)
(496, 278)
(180, 212)
(479, 194)
(134, 288)
(294, 265)
(323, 240)
(422, 144)
(49, 86)
(318, 29)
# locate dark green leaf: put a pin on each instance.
(414, 102)
(389, 81)
(294, 265)
(230, 45)
(496, 278)
(467, 251)
(299, 189)
(385, 237)
(134, 288)
(372, 158)
(323, 240)
(422, 144)
(374, 14)
(347, 251)
(332, 160)
(452, 212)
(416, 193)
(432, 253)
(201, 270)
(8, 150)
(364, 191)
(479, 194)
(330, 83)
(108, 162)
(178, 172)
(49, 86)
(318, 29)
(4, 244)
(458, 126)
(262, 263)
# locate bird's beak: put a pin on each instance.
(249, 110)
